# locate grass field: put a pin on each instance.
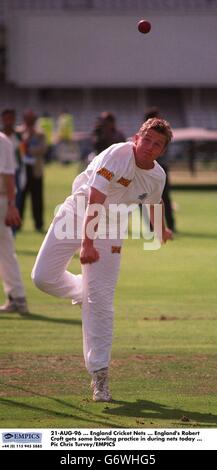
(163, 369)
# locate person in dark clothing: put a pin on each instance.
(163, 161)
(105, 132)
(34, 149)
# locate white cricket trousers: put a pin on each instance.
(9, 268)
(94, 288)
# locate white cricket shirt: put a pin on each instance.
(114, 172)
(7, 161)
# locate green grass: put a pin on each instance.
(164, 350)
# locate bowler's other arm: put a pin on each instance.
(89, 254)
(167, 234)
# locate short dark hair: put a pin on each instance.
(8, 111)
(107, 116)
(152, 112)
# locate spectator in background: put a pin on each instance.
(8, 128)
(67, 149)
(9, 216)
(163, 161)
(34, 150)
(65, 127)
(105, 132)
(191, 157)
(45, 125)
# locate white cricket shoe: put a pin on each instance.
(99, 384)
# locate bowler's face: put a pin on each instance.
(148, 148)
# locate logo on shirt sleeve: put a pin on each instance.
(108, 175)
(124, 181)
(116, 249)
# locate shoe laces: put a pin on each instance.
(100, 380)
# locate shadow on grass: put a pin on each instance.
(37, 317)
(144, 409)
(205, 236)
(141, 409)
(88, 417)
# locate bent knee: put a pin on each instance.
(39, 279)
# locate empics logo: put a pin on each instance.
(21, 437)
(8, 436)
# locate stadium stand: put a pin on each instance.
(181, 105)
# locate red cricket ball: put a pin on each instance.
(144, 26)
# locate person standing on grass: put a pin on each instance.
(8, 117)
(125, 173)
(9, 216)
(34, 150)
(164, 163)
